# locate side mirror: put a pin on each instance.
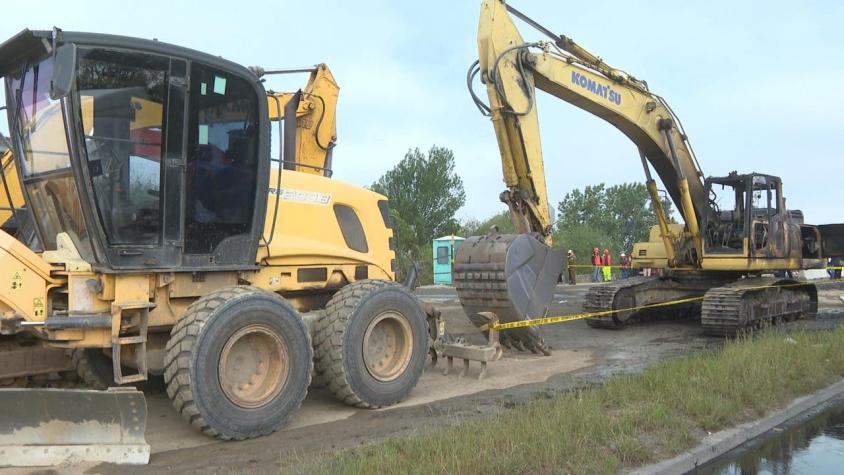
(64, 71)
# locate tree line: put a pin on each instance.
(425, 194)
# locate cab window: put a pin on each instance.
(222, 161)
(122, 97)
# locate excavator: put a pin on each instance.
(736, 228)
(170, 243)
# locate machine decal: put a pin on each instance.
(595, 88)
(300, 196)
(17, 281)
(38, 307)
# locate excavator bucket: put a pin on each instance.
(512, 276)
(41, 427)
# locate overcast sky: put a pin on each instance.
(756, 84)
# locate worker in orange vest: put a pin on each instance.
(606, 263)
(596, 265)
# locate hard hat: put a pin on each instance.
(622, 254)
(595, 249)
(570, 251)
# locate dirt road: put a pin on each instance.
(581, 355)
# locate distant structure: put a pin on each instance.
(444, 249)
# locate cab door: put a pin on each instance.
(131, 107)
(768, 232)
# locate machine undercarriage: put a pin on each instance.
(724, 306)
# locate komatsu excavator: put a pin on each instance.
(169, 244)
(736, 227)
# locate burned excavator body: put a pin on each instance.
(735, 227)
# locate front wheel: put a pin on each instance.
(238, 363)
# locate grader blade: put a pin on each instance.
(41, 427)
(512, 276)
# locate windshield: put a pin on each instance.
(45, 160)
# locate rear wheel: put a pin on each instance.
(372, 343)
(94, 367)
(238, 363)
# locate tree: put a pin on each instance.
(581, 239)
(425, 194)
(614, 217)
(475, 227)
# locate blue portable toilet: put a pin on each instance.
(445, 249)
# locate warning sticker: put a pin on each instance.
(17, 281)
(38, 306)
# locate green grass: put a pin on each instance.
(628, 421)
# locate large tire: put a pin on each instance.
(93, 367)
(244, 326)
(360, 309)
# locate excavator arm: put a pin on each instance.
(316, 114)
(513, 69)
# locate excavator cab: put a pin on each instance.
(727, 221)
(144, 154)
(747, 217)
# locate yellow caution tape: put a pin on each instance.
(535, 322)
(580, 316)
(592, 266)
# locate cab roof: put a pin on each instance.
(37, 43)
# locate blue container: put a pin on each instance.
(444, 250)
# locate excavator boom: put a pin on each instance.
(514, 68)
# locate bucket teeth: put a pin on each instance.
(512, 276)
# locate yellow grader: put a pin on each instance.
(159, 237)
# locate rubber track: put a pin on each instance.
(723, 312)
(330, 335)
(86, 373)
(178, 357)
(600, 298)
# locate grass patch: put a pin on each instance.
(628, 421)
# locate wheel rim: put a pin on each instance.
(254, 366)
(387, 346)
